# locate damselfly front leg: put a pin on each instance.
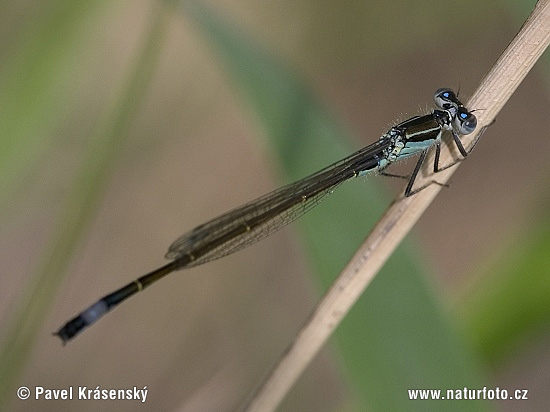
(464, 152)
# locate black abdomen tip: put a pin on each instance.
(71, 329)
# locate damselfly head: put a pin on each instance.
(446, 99)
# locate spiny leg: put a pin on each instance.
(460, 147)
(412, 177)
(408, 190)
(382, 173)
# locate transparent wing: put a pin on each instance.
(255, 220)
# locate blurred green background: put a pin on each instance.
(124, 124)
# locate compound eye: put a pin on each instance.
(465, 121)
(445, 99)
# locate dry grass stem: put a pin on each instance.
(493, 92)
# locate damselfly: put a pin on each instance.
(253, 221)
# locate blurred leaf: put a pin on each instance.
(80, 205)
(510, 303)
(395, 338)
(34, 74)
